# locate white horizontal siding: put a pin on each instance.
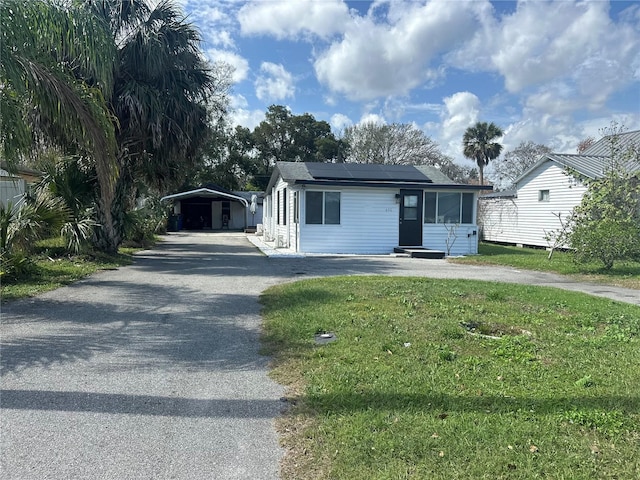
(525, 219)
(368, 224)
(11, 191)
(451, 239)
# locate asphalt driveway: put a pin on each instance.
(153, 372)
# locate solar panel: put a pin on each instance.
(366, 172)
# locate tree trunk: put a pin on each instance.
(107, 238)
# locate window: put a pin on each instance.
(322, 208)
(543, 195)
(410, 207)
(278, 208)
(296, 209)
(430, 205)
(448, 207)
(284, 206)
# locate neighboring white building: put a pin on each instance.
(368, 209)
(545, 191)
(14, 185)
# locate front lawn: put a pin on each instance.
(444, 379)
(622, 274)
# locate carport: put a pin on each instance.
(208, 208)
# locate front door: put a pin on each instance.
(410, 218)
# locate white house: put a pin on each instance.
(546, 191)
(215, 208)
(14, 185)
(369, 209)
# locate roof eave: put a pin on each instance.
(413, 185)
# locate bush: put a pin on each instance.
(606, 226)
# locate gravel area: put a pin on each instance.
(152, 371)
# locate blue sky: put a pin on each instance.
(549, 72)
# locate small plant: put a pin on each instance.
(610, 422)
(446, 354)
(452, 236)
(585, 382)
(517, 348)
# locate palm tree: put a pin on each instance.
(57, 67)
(118, 81)
(479, 144)
(162, 96)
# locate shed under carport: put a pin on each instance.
(210, 208)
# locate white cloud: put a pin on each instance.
(275, 83)
(290, 19)
(461, 110)
(215, 20)
(240, 114)
(381, 59)
(565, 55)
(372, 118)
(532, 51)
(339, 122)
(239, 64)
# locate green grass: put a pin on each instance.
(408, 392)
(52, 268)
(623, 274)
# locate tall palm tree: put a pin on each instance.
(120, 81)
(479, 144)
(162, 96)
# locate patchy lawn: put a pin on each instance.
(52, 268)
(444, 379)
(622, 274)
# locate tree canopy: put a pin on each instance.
(122, 83)
(515, 162)
(397, 143)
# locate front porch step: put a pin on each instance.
(420, 252)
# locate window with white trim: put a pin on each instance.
(448, 207)
(322, 208)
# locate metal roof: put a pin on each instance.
(502, 194)
(206, 193)
(593, 162)
(620, 140)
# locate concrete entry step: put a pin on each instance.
(420, 252)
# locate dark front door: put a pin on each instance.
(410, 218)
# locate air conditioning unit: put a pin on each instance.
(281, 242)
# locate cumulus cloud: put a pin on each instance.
(274, 83)
(339, 122)
(240, 64)
(215, 19)
(377, 59)
(240, 114)
(459, 111)
(372, 118)
(564, 55)
(287, 19)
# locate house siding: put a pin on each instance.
(526, 220)
(11, 191)
(368, 223)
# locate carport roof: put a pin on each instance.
(207, 193)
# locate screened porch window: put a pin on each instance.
(322, 208)
(448, 207)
